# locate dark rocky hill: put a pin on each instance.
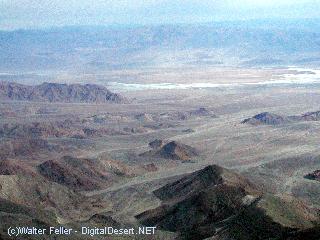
(274, 119)
(266, 118)
(55, 92)
(173, 150)
(179, 151)
(218, 203)
(202, 112)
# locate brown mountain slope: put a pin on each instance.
(55, 92)
(33, 191)
(215, 202)
(12, 214)
(84, 174)
(17, 215)
(9, 167)
(28, 147)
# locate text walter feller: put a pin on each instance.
(24, 231)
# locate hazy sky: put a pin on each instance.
(46, 13)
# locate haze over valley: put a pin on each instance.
(204, 130)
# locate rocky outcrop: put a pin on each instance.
(274, 119)
(173, 150)
(314, 176)
(202, 112)
(178, 151)
(155, 144)
(266, 118)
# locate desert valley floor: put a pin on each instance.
(136, 160)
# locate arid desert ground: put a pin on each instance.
(142, 156)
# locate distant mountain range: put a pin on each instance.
(54, 92)
(241, 43)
